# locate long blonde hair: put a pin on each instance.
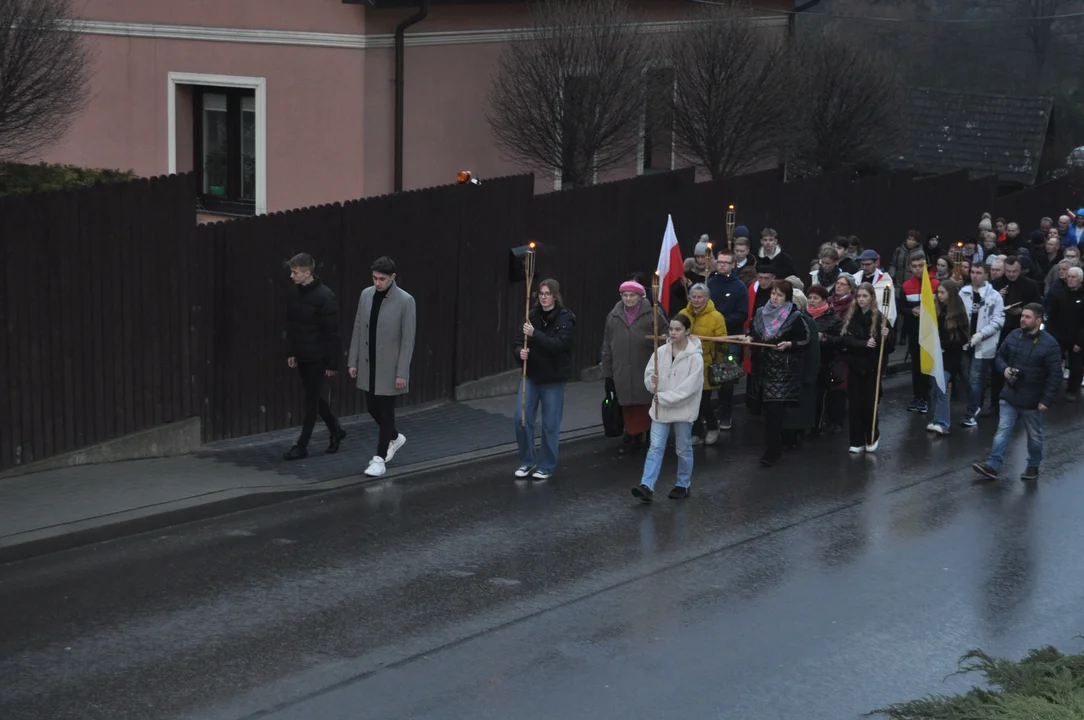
(874, 310)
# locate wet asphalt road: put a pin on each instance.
(822, 588)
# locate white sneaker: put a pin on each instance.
(932, 427)
(856, 449)
(874, 446)
(712, 438)
(524, 471)
(940, 429)
(394, 445)
(376, 467)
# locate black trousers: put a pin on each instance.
(861, 391)
(831, 406)
(725, 411)
(382, 410)
(773, 429)
(706, 416)
(1076, 371)
(312, 380)
(920, 382)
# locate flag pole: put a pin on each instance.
(880, 359)
(528, 270)
(655, 323)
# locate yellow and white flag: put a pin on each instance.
(929, 341)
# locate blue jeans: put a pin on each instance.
(941, 405)
(683, 443)
(976, 384)
(552, 398)
(1033, 425)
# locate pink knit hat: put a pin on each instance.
(633, 286)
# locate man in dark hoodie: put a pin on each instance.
(1065, 321)
(312, 331)
(731, 298)
(770, 251)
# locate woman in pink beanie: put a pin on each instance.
(626, 349)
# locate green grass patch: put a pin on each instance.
(1044, 685)
(18, 178)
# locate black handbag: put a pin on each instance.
(724, 369)
(613, 421)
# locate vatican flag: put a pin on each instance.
(929, 341)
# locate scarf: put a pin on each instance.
(816, 312)
(942, 277)
(829, 279)
(774, 317)
(631, 313)
(841, 303)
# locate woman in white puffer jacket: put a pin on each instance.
(677, 379)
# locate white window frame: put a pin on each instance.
(257, 84)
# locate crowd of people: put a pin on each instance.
(813, 344)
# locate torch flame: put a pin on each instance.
(959, 244)
(731, 207)
(531, 245)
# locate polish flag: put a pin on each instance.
(671, 266)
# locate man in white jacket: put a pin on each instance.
(676, 376)
(987, 311)
(871, 272)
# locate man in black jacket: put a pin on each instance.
(312, 331)
(1030, 362)
(1017, 290)
(731, 299)
(771, 252)
(1065, 321)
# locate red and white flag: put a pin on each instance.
(671, 265)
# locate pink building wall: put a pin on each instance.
(330, 110)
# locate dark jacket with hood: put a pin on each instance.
(1038, 358)
(312, 325)
(550, 357)
(731, 298)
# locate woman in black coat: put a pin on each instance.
(832, 374)
(863, 333)
(778, 372)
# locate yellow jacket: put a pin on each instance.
(708, 322)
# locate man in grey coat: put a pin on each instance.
(381, 346)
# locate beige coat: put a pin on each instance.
(394, 340)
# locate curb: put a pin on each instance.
(189, 512)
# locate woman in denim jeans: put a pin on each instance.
(952, 327)
(550, 328)
(675, 374)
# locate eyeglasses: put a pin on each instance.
(545, 293)
(630, 295)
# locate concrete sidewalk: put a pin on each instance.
(58, 509)
(73, 506)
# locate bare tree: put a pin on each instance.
(43, 74)
(568, 96)
(1038, 27)
(846, 103)
(728, 104)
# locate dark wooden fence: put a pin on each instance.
(120, 314)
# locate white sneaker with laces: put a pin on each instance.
(376, 467)
(712, 438)
(524, 471)
(394, 445)
(855, 449)
(874, 446)
(541, 475)
(932, 427)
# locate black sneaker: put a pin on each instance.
(679, 493)
(295, 453)
(336, 438)
(915, 404)
(985, 470)
(1071, 397)
(1031, 474)
(643, 492)
(922, 407)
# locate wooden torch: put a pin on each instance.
(731, 221)
(528, 270)
(886, 299)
